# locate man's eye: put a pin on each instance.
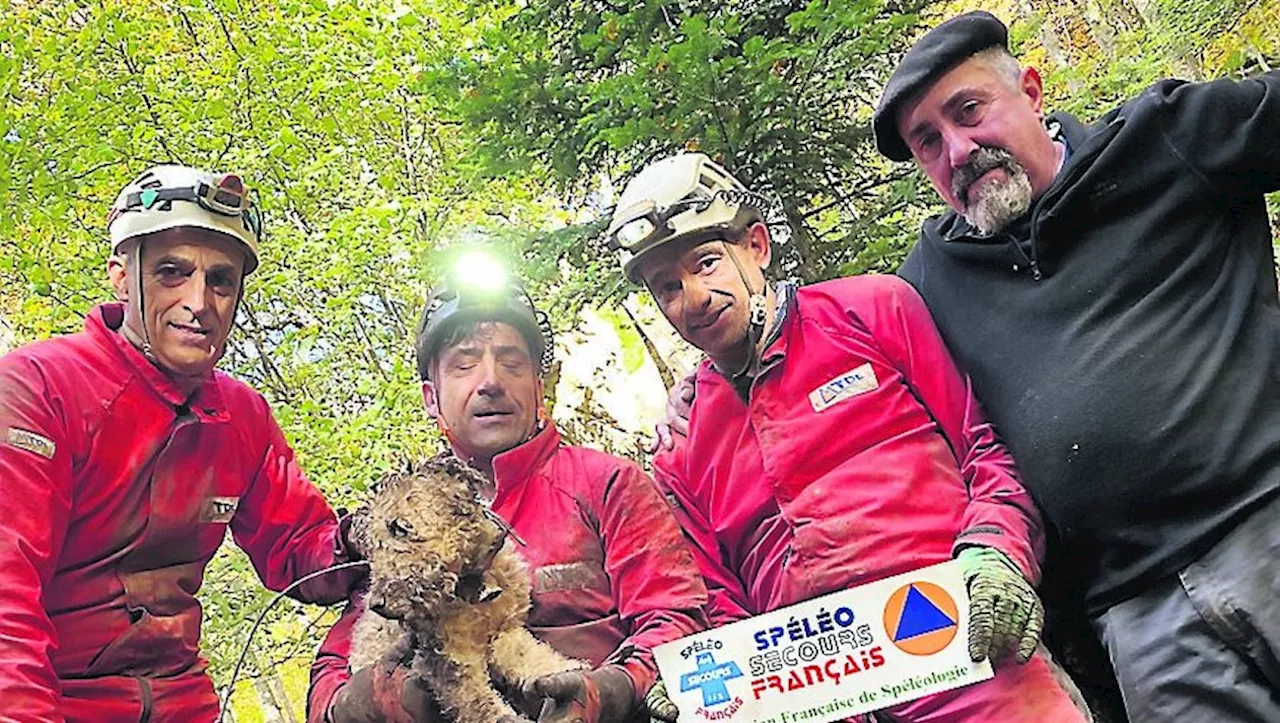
(968, 113)
(927, 146)
(223, 284)
(708, 263)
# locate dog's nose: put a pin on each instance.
(378, 604)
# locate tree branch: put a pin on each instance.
(664, 371)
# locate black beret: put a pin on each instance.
(940, 50)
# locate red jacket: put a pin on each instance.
(612, 577)
(115, 492)
(861, 454)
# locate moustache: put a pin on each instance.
(983, 160)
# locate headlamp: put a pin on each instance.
(227, 196)
(481, 272)
(633, 232)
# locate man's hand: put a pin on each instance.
(675, 419)
(603, 695)
(1004, 611)
(382, 694)
(659, 704)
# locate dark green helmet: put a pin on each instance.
(452, 305)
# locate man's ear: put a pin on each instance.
(1032, 87)
(429, 399)
(118, 275)
(759, 245)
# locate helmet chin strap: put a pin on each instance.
(146, 336)
(758, 309)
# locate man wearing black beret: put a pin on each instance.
(1111, 289)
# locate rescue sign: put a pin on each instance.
(829, 658)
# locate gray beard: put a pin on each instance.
(996, 204)
(1000, 203)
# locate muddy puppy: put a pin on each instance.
(448, 592)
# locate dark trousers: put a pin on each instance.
(1204, 645)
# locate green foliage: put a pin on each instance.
(779, 91)
(381, 132)
(782, 91)
(361, 179)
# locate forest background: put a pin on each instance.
(384, 136)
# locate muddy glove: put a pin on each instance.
(660, 706)
(1004, 611)
(603, 695)
(382, 694)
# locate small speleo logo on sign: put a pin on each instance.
(32, 442)
(710, 678)
(853, 382)
(219, 509)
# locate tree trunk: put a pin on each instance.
(272, 698)
(1053, 47)
(1100, 29)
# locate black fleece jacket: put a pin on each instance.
(1125, 335)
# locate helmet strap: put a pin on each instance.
(142, 312)
(235, 311)
(758, 311)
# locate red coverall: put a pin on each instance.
(115, 492)
(812, 487)
(612, 575)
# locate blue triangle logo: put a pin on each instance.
(149, 197)
(919, 616)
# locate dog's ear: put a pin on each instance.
(358, 533)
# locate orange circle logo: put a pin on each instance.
(921, 618)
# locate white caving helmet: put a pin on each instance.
(167, 196)
(678, 198)
(689, 198)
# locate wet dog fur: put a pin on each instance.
(447, 593)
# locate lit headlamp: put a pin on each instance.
(479, 288)
(477, 271)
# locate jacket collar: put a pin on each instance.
(1065, 127)
(103, 325)
(517, 465)
(775, 347)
